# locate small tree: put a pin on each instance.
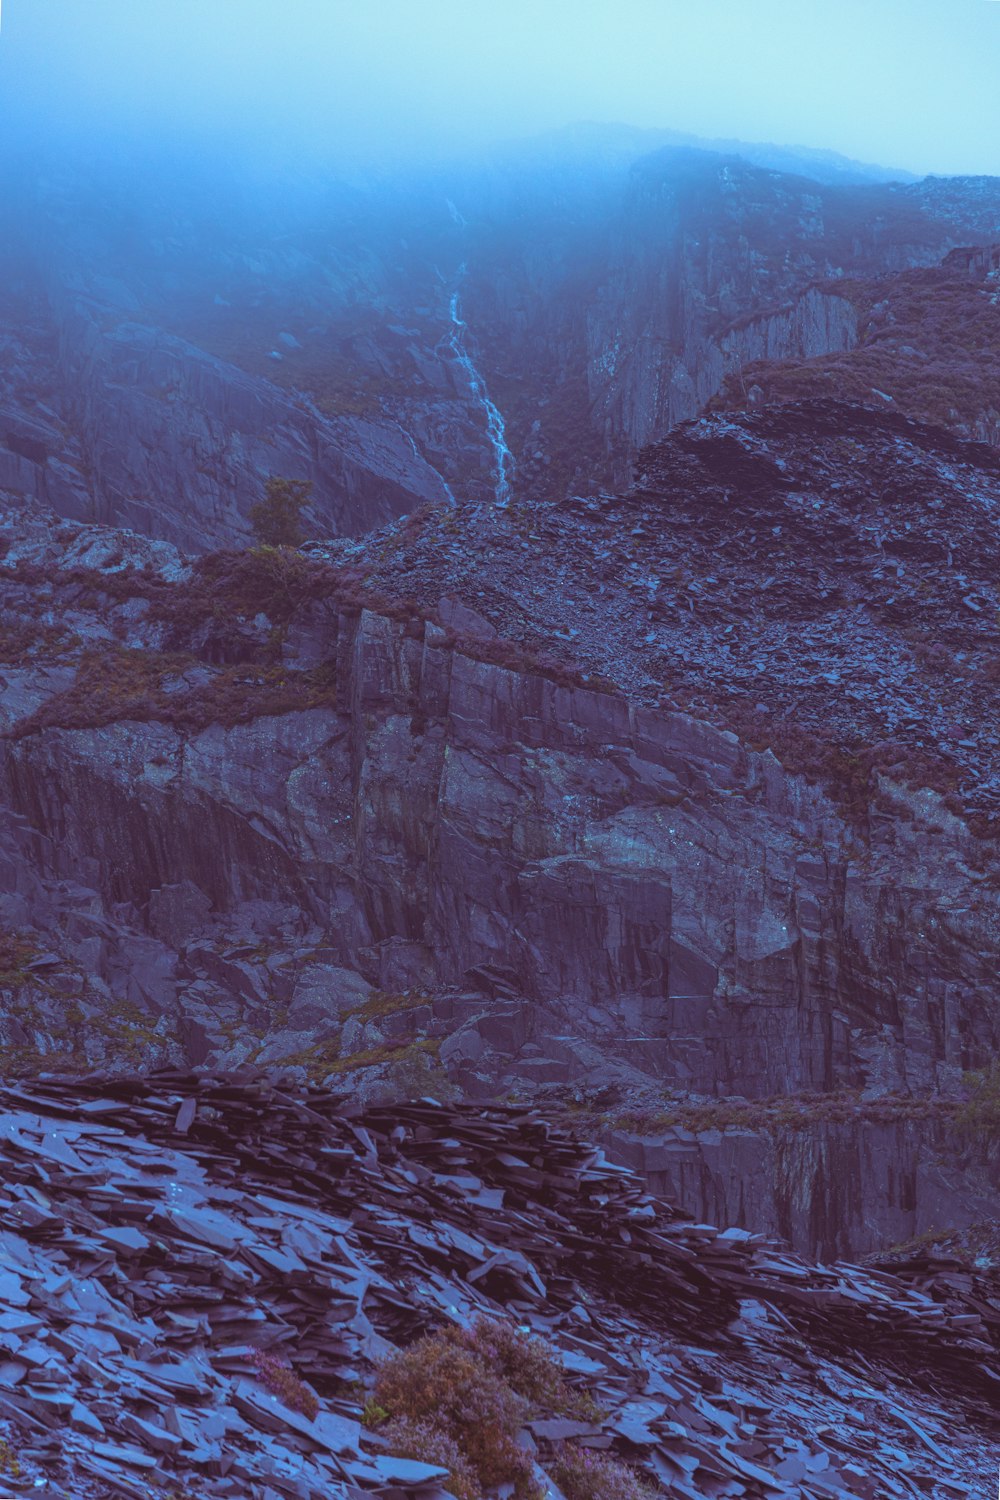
(276, 520)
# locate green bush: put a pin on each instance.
(277, 519)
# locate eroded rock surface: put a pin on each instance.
(349, 814)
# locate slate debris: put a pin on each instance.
(762, 571)
(157, 1231)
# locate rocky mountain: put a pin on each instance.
(548, 313)
(612, 793)
(616, 761)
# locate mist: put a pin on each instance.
(905, 83)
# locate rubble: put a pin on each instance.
(157, 1232)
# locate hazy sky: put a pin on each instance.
(911, 83)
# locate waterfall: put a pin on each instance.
(477, 385)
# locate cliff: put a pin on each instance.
(163, 358)
(107, 419)
(344, 813)
(703, 263)
(925, 343)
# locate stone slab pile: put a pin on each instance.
(158, 1232)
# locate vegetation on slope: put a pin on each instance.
(461, 1397)
(930, 348)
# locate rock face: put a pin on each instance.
(154, 412)
(449, 815)
(686, 790)
(643, 394)
(831, 1189)
(813, 325)
(143, 429)
(270, 801)
(155, 380)
(702, 264)
(925, 344)
(641, 872)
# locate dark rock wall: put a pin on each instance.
(701, 265)
(148, 431)
(832, 1189)
(704, 914)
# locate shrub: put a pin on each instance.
(113, 684)
(460, 1397)
(529, 1367)
(15, 955)
(428, 1443)
(418, 1075)
(444, 1382)
(277, 519)
(584, 1474)
(372, 1414)
(281, 1380)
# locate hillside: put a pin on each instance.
(928, 347)
(172, 334)
(614, 793)
(498, 985)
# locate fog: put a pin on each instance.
(906, 83)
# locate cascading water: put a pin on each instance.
(477, 385)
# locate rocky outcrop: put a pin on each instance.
(147, 431)
(814, 324)
(650, 389)
(343, 813)
(681, 900)
(696, 256)
(923, 343)
(704, 264)
(673, 896)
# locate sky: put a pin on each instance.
(904, 83)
